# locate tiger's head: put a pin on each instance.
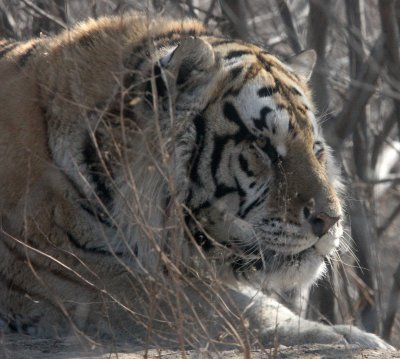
(257, 177)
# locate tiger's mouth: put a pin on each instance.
(255, 247)
(270, 260)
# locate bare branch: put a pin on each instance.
(289, 25)
(209, 12)
(356, 57)
(7, 23)
(318, 22)
(390, 30)
(381, 137)
(234, 12)
(389, 220)
(362, 231)
(392, 305)
(354, 43)
(358, 95)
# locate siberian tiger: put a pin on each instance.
(158, 181)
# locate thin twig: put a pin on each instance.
(392, 179)
(43, 13)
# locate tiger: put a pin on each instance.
(159, 183)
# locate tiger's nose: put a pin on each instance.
(321, 223)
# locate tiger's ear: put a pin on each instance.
(303, 63)
(190, 56)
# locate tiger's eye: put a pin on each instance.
(261, 142)
(266, 147)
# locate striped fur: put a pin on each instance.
(140, 155)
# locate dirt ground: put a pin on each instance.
(13, 346)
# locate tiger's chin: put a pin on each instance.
(283, 271)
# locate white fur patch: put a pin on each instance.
(250, 106)
(167, 54)
(281, 148)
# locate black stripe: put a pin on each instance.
(184, 73)
(232, 115)
(96, 171)
(181, 33)
(161, 88)
(219, 42)
(236, 53)
(160, 84)
(290, 126)
(218, 148)
(22, 60)
(240, 189)
(8, 48)
(96, 212)
(200, 125)
(86, 40)
(196, 210)
(235, 72)
(232, 92)
(295, 91)
(222, 190)
(88, 207)
(83, 247)
(189, 197)
(270, 150)
(257, 201)
(266, 65)
(267, 91)
(261, 122)
(244, 165)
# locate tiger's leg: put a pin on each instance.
(278, 324)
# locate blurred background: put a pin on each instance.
(356, 85)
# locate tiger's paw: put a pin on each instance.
(353, 335)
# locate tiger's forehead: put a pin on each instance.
(267, 110)
(272, 101)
